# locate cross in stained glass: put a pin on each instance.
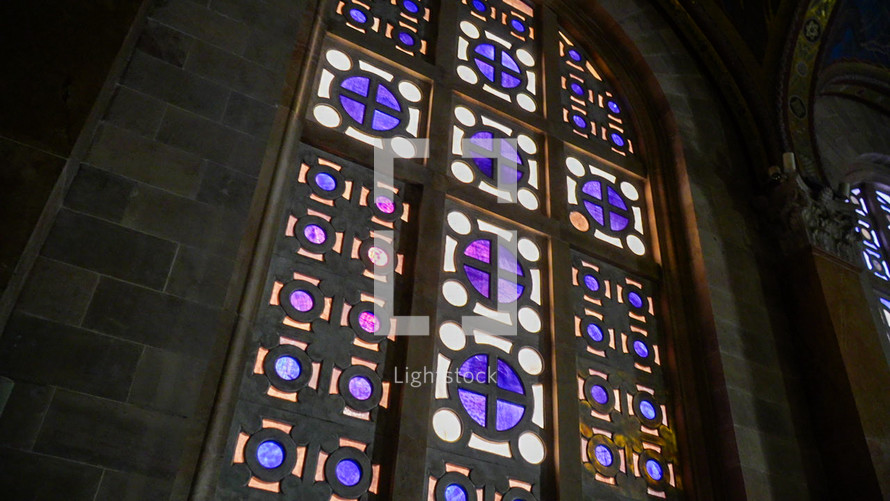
(486, 151)
(605, 205)
(497, 65)
(497, 405)
(370, 103)
(479, 259)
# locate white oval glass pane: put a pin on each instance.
(575, 166)
(636, 245)
(529, 249)
(527, 199)
(525, 57)
(403, 147)
(447, 425)
(338, 60)
(459, 222)
(452, 336)
(530, 361)
(629, 191)
(410, 91)
(526, 102)
(531, 448)
(462, 172)
(527, 144)
(455, 293)
(467, 74)
(469, 30)
(530, 320)
(326, 115)
(465, 116)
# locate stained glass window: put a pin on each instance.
(320, 345)
(873, 253)
(590, 108)
(405, 24)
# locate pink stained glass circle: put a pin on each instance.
(369, 321)
(315, 234)
(378, 256)
(385, 204)
(301, 301)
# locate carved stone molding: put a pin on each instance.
(802, 216)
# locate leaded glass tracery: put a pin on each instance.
(873, 253)
(403, 23)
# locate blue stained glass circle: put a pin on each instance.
(647, 409)
(360, 387)
(410, 6)
(599, 395)
(575, 55)
(301, 301)
(517, 25)
(348, 472)
(617, 139)
(406, 39)
(641, 349)
(654, 469)
(603, 455)
(455, 492)
(479, 6)
(591, 282)
(358, 16)
(595, 332)
(270, 454)
(635, 299)
(325, 181)
(614, 107)
(579, 121)
(288, 368)
(577, 89)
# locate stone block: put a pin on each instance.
(202, 23)
(270, 50)
(153, 318)
(236, 73)
(99, 193)
(111, 434)
(136, 111)
(200, 277)
(36, 350)
(57, 291)
(226, 188)
(165, 43)
(247, 155)
(131, 155)
(109, 249)
(249, 115)
(23, 414)
(184, 220)
(174, 85)
(37, 477)
(168, 382)
(198, 135)
(120, 486)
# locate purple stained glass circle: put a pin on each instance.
(287, 368)
(577, 89)
(479, 6)
(635, 299)
(647, 409)
(508, 415)
(475, 369)
(358, 16)
(508, 379)
(592, 283)
(315, 234)
(603, 455)
(325, 181)
(595, 332)
(359, 85)
(475, 405)
(348, 472)
(575, 55)
(301, 300)
(455, 492)
(270, 454)
(518, 26)
(385, 204)
(613, 106)
(410, 6)
(599, 394)
(369, 321)
(579, 121)
(361, 388)
(406, 39)
(617, 139)
(641, 349)
(654, 469)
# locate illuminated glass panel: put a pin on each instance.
(496, 52)
(403, 23)
(590, 109)
(496, 155)
(320, 349)
(605, 203)
(367, 100)
(872, 251)
(489, 398)
(627, 442)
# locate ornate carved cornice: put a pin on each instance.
(802, 216)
